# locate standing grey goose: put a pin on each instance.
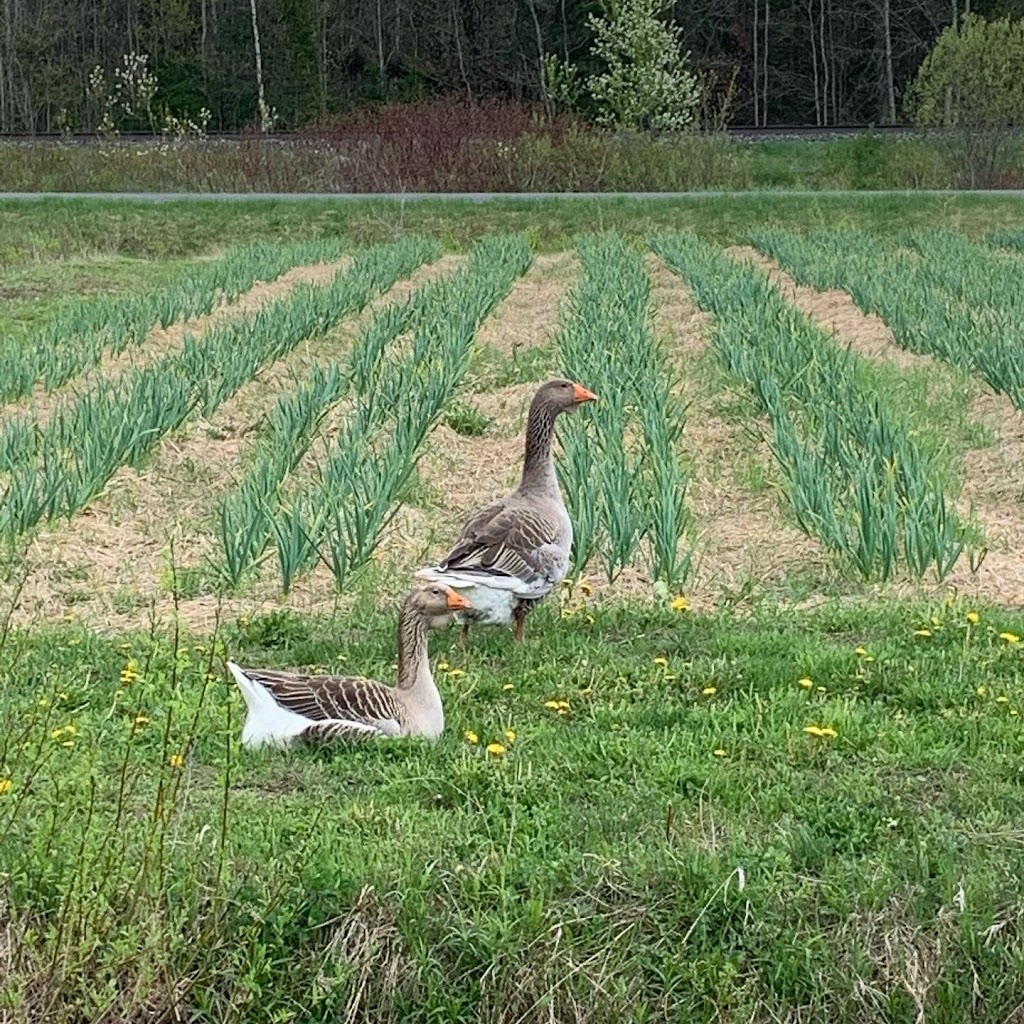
(514, 551)
(284, 706)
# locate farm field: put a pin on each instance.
(759, 759)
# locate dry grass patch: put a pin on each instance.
(994, 490)
(529, 314)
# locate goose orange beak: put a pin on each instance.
(456, 600)
(582, 394)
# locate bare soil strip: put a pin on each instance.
(163, 341)
(748, 547)
(113, 561)
(993, 487)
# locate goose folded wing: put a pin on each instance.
(509, 542)
(336, 699)
(340, 732)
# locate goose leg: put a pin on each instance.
(464, 633)
(520, 616)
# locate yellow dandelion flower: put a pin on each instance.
(668, 677)
(472, 738)
(1010, 638)
(663, 662)
(177, 761)
(1001, 699)
(5, 786)
(495, 749)
(43, 702)
(553, 704)
(69, 616)
(1014, 711)
(442, 666)
(868, 660)
(567, 613)
(586, 589)
(922, 632)
(590, 620)
(824, 731)
(981, 691)
(56, 734)
(709, 691)
(563, 705)
(510, 735)
(680, 604)
(68, 743)
(973, 618)
(140, 720)
(126, 647)
(719, 752)
(71, 729)
(454, 673)
(509, 686)
(806, 683)
(822, 689)
(563, 711)
(860, 652)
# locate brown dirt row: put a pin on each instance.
(114, 559)
(992, 476)
(163, 341)
(747, 547)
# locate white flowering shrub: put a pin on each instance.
(646, 83)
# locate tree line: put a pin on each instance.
(298, 62)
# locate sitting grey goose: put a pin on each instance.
(285, 706)
(515, 551)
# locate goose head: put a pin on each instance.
(435, 603)
(562, 395)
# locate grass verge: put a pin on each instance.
(787, 816)
(60, 229)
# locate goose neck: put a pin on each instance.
(413, 664)
(538, 464)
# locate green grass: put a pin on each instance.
(33, 293)
(610, 866)
(70, 228)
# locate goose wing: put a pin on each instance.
(340, 732)
(510, 540)
(340, 701)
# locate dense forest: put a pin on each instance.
(788, 61)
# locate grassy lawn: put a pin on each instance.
(68, 229)
(675, 845)
(794, 796)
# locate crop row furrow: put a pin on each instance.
(337, 515)
(117, 422)
(854, 475)
(78, 337)
(939, 304)
(621, 472)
